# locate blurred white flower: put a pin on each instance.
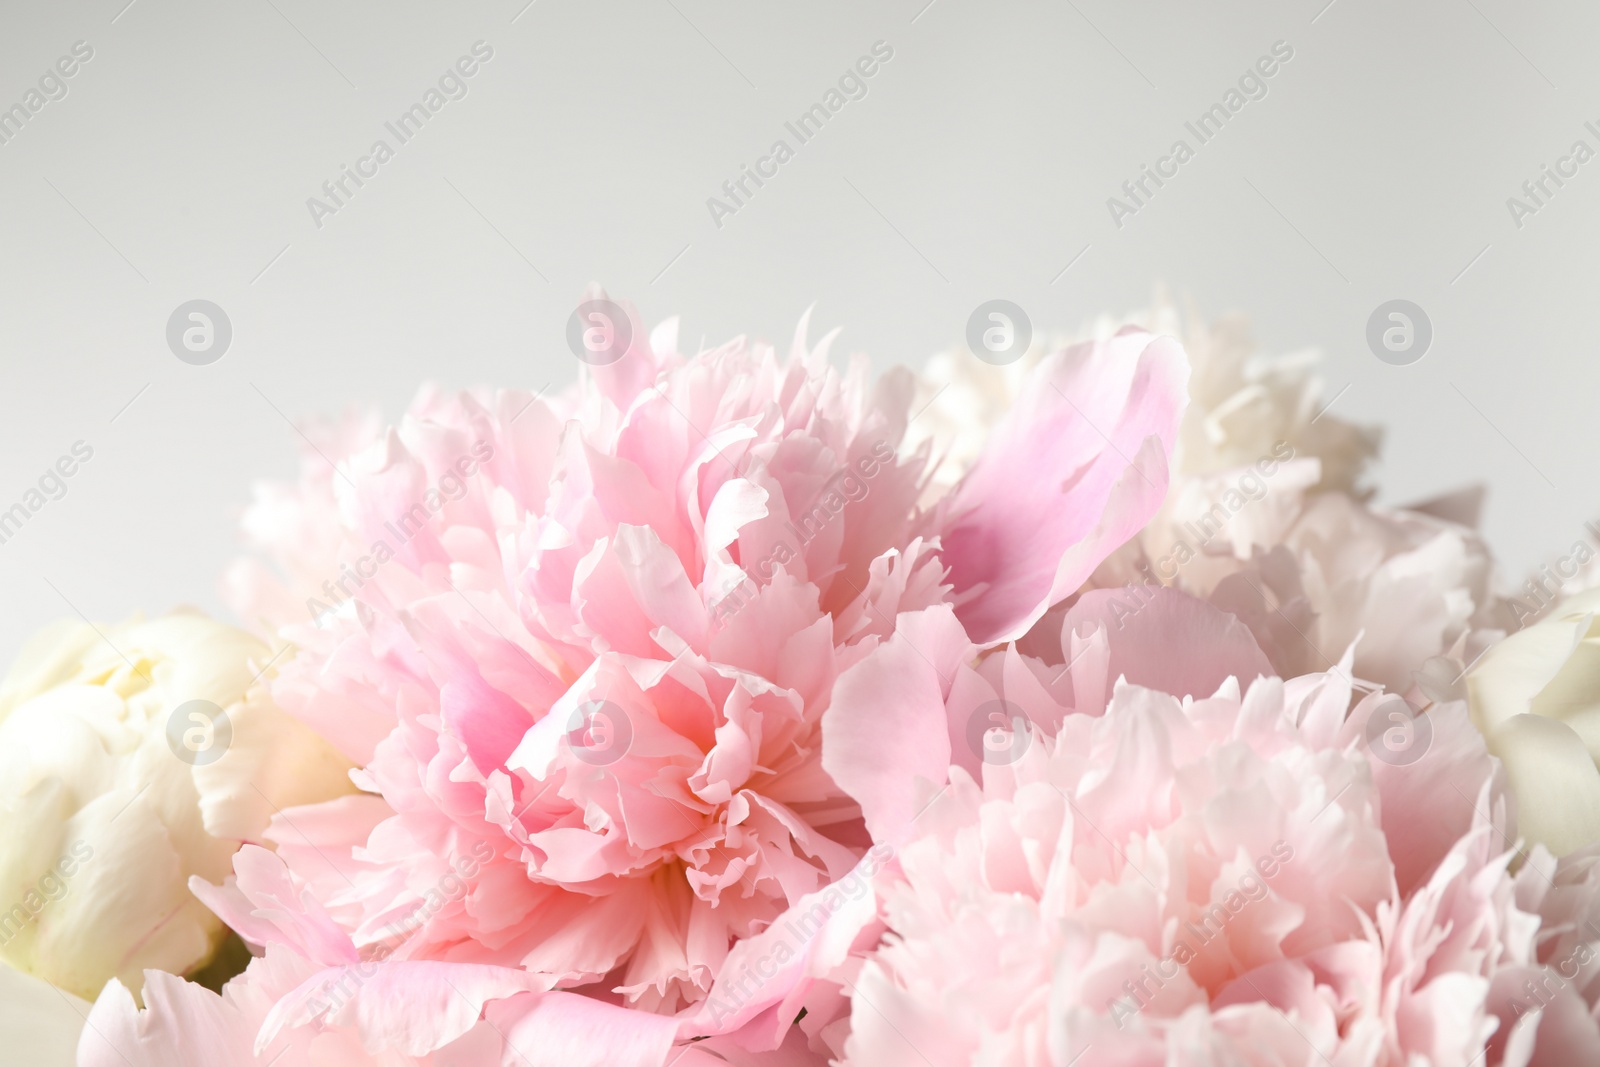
(129, 762)
(1536, 697)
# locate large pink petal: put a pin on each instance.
(182, 1023)
(884, 736)
(570, 1030)
(1076, 469)
(411, 1006)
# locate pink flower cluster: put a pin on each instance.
(703, 714)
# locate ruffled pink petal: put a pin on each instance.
(264, 906)
(568, 1030)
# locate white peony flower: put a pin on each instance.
(1315, 573)
(130, 760)
(1536, 697)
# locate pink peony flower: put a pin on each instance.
(1228, 879)
(583, 649)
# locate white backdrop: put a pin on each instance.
(177, 160)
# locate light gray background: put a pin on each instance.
(978, 166)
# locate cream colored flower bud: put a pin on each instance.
(130, 759)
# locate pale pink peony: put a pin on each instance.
(1217, 880)
(582, 649)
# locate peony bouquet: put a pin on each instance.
(1077, 708)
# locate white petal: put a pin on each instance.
(1514, 672)
(1555, 782)
(40, 1024)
